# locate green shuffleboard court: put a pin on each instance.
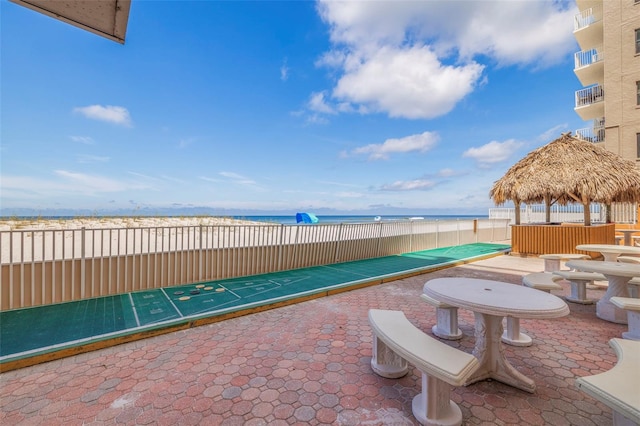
(66, 328)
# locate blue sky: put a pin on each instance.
(367, 107)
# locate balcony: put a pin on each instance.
(594, 134)
(590, 102)
(589, 66)
(588, 27)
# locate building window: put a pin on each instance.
(638, 93)
(638, 145)
(637, 41)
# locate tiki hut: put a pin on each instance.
(568, 170)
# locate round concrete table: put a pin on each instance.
(552, 260)
(627, 233)
(609, 251)
(618, 274)
(490, 302)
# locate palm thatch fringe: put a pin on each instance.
(569, 170)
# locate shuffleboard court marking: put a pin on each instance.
(277, 283)
(344, 271)
(213, 300)
(172, 304)
(153, 307)
(232, 288)
(133, 308)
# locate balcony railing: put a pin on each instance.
(595, 133)
(588, 57)
(589, 96)
(587, 17)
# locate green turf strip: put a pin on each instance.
(41, 328)
(153, 306)
(33, 328)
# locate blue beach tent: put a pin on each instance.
(306, 218)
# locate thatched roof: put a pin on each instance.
(569, 170)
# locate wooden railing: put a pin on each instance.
(51, 266)
(543, 239)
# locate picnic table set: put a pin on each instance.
(397, 341)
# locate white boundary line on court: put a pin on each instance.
(135, 311)
(172, 304)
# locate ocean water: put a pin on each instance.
(288, 220)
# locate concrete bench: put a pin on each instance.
(579, 281)
(446, 319)
(628, 259)
(632, 306)
(544, 281)
(633, 287)
(552, 261)
(397, 342)
(618, 387)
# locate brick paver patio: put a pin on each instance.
(308, 364)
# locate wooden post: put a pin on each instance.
(587, 213)
(547, 208)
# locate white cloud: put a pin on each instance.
(415, 143)
(418, 59)
(349, 194)
(64, 183)
(538, 33)
(316, 119)
(284, 71)
(447, 173)
(318, 103)
(553, 133)
(238, 178)
(410, 83)
(493, 152)
(90, 184)
(92, 159)
(208, 179)
(409, 185)
(112, 114)
(82, 139)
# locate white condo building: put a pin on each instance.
(608, 66)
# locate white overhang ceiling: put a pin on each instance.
(107, 18)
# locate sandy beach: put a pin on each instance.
(12, 224)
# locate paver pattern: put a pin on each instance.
(309, 364)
